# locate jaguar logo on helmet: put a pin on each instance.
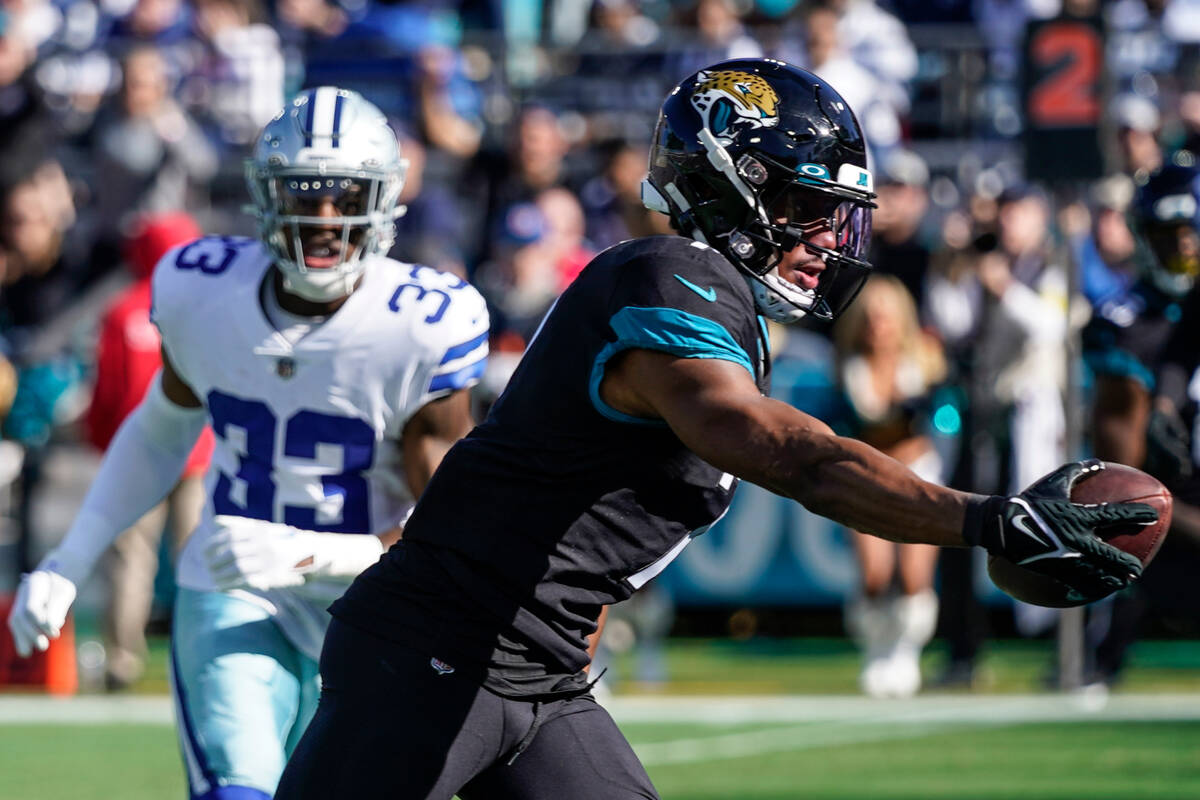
(729, 99)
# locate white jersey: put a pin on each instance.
(309, 434)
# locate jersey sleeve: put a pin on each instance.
(686, 300)
(682, 298)
(167, 296)
(457, 345)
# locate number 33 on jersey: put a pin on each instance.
(308, 433)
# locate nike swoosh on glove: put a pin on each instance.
(1041, 530)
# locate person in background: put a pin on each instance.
(127, 359)
(151, 156)
(1138, 123)
(886, 367)
(897, 244)
(1141, 350)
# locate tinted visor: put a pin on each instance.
(805, 213)
(801, 216)
(1176, 248)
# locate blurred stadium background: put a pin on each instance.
(526, 122)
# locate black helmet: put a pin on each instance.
(743, 144)
(1165, 215)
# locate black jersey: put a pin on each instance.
(1126, 338)
(559, 504)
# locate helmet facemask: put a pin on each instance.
(325, 177)
(364, 209)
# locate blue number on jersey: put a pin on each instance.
(254, 494)
(450, 281)
(211, 255)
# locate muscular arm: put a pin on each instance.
(173, 386)
(427, 437)
(717, 412)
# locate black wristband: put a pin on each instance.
(981, 509)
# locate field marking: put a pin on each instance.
(855, 720)
(713, 711)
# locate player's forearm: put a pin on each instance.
(143, 462)
(798, 456)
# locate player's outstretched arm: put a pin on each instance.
(716, 410)
(143, 462)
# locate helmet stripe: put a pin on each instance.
(323, 119)
(308, 119)
(337, 118)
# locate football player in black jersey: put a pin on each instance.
(456, 664)
(1142, 350)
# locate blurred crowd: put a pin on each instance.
(526, 125)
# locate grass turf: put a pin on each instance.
(1108, 761)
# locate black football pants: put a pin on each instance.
(393, 724)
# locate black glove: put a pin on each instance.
(1168, 456)
(1041, 530)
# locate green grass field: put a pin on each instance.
(759, 720)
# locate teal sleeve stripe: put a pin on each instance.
(669, 330)
(1120, 363)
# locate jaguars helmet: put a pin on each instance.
(747, 155)
(327, 144)
(1165, 216)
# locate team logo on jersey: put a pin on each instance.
(728, 99)
(285, 367)
(440, 667)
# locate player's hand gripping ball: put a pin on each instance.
(1116, 483)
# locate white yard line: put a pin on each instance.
(800, 722)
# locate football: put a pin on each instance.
(1116, 483)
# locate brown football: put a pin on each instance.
(1116, 483)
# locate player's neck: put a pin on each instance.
(295, 304)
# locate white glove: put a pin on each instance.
(256, 554)
(40, 609)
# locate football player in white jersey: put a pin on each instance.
(335, 379)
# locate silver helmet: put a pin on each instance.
(327, 161)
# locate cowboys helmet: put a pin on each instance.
(327, 146)
(1165, 216)
(756, 157)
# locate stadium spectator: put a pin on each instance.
(522, 279)
(1000, 308)
(612, 200)
(825, 53)
(878, 40)
(713, 31)
(446, 112)
(887, 367)
(536, 160)
(150, 156)
(237, 83)
(127, 359)
(565, 242)
(1106, 253)
(44, 272)
(431, 230)
(1138, 123)
(898, 242)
